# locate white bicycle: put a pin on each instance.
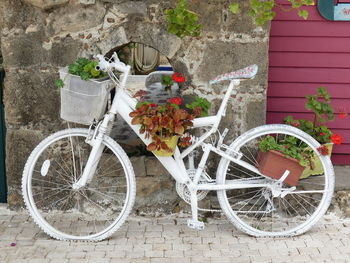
(78, 184)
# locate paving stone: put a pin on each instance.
(175, 243)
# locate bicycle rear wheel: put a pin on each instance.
(260, 211)
(92, 212)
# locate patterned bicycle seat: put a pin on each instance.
(244, 73)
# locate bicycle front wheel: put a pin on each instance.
(278, 210)
(92, 212)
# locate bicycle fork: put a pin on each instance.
(95, 155)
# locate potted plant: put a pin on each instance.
(84, 91)
(278, 152)
(165, 124)
(168, 81)
(320, 105)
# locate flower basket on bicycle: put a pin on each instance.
(83, 101)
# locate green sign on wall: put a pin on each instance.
(335, 11)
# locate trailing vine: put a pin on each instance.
(184, 22)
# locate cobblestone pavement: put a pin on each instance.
(167, 239)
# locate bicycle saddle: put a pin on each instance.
(244, 73)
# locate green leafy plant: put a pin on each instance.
(289, 146)
(183, 22)
(85, 68)
(59, 83)
(167, 82)
(320, 105)
(199, 106)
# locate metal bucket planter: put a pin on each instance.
(171, 143)
(317, 166)
(273, 164)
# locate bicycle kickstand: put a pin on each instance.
(194, 222)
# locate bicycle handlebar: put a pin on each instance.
(115, 63)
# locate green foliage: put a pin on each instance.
(161, 121)
(320, 105)
(320, 132)
(167, 81)
(183, 22)
(200, 106)
(303, 13)
(290, 146)
(59, 83)
(261, 11)
(85, 69)
(234, 8)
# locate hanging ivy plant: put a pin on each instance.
(183, 22)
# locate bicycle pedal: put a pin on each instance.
(195, 224)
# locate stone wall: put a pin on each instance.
(40, 36)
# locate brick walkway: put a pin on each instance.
(167, 239)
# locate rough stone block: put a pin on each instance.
(220, 59)
(64, 52)
(138, 164)
(255, 113)
(154, 167)
(155, 195)
(74, 18)
(19, 144)
(30, 96)
(46, 4)
(158, 38)
(88, 2)
(23, 50)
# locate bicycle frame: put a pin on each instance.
(123, 104)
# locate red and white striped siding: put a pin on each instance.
(304, 55)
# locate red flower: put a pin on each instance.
(342, 115)
(153, 105)
(336, 139)
(286, 146)
(295, 124)
(177, 101)
(178, 77)
(322, 134)
(323, 150)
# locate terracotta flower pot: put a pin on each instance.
(171, 143)
(317, 166)
(273, 164)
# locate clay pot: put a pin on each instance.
(273, 164)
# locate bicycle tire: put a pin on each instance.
(279, 218)
(91, 213)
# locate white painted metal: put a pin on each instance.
(327, 192)
(123, 104)
(38, 215)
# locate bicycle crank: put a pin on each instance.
(185, 193)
